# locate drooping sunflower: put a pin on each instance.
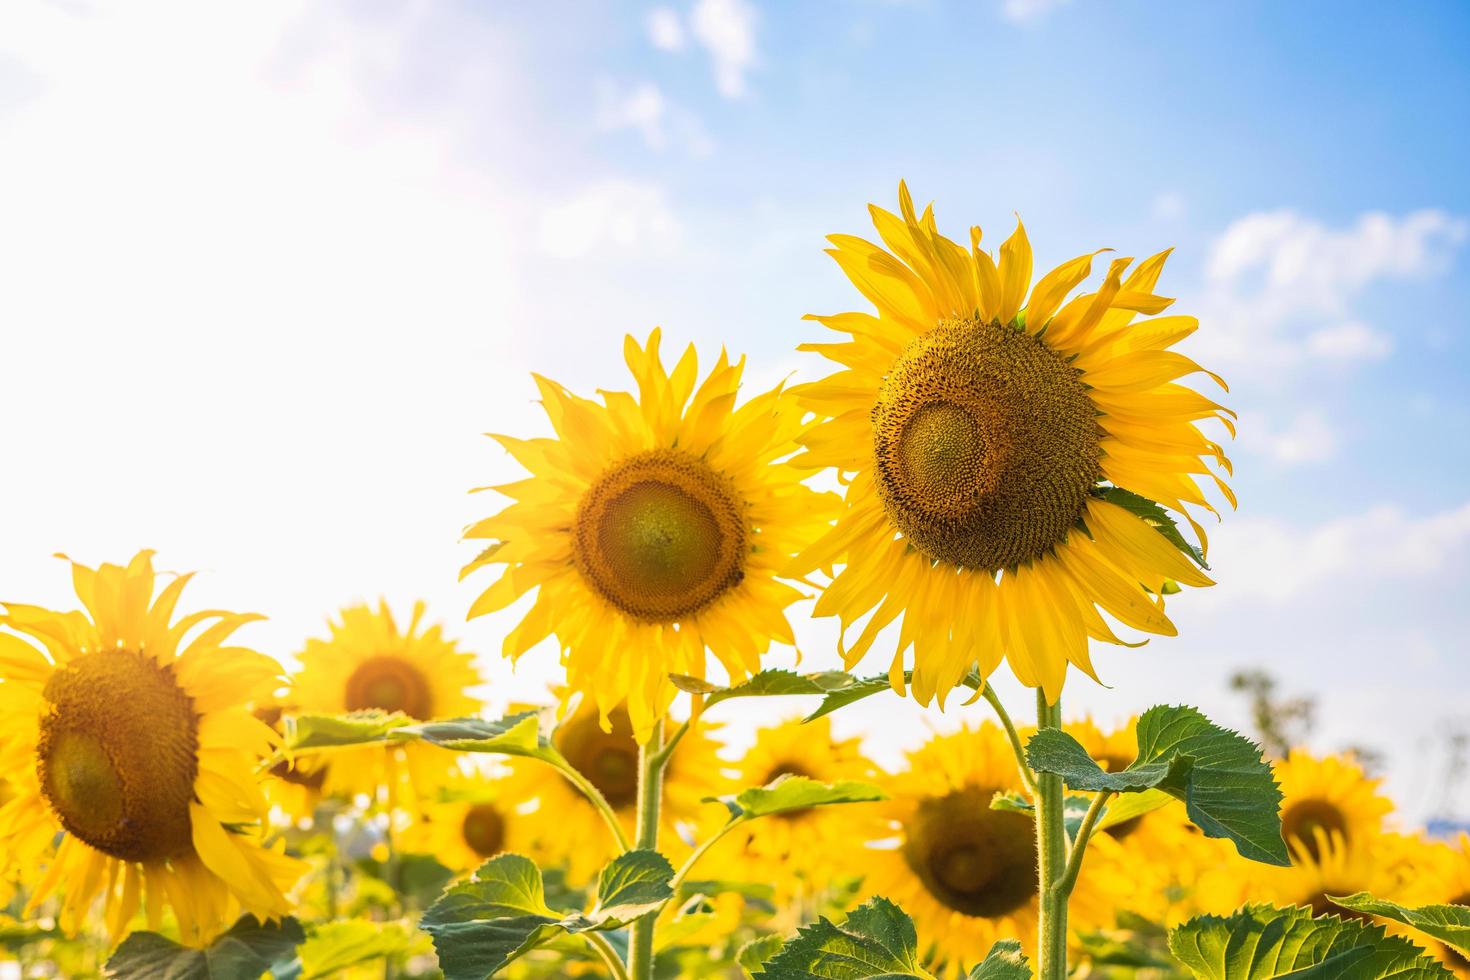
(127, 736)
(800, 850)
(472, 819)
(1331, 796)
(651, 530)
(1009, 455)
(368, 662)
(966, 873)
(569, 830)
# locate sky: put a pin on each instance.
(268, 272)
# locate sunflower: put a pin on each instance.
(1005, 456)
(1445, 872)
(1331, 795)
(569, 828)
(296, 784)
(474, 818)
(132, 753)
(1383, 865)
(651, 530)
(368, 663)
(967, 873)
(802, 849)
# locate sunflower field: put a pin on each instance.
(1004, 467)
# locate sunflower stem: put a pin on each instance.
(607, 954)
(1027, 776)
(650, 794)
(595, 797)
(1079, 845)
(1051, 858)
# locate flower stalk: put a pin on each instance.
(1051, 858)
(651, 759)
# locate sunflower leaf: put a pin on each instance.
(632, 885)
(766, 683)
(305, 732)
(795, 793)
(335, 946)
(1450, 924)
(1004, 962)
(499, 914)
(1259, 942)
(877, 940)
(1227, 788)
(1156, 517)
(247, 951)
(859, 688)
(518, 734)
(754, 954)
(1131, 806)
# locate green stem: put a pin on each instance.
(1027, 777)
(607, 954)
(595, 797)
(678, 880)
(1079, 846)
(650, 794)
(1051, 856)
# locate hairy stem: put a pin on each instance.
(650, 795)
(1051, 857)
(1027, 777)
(585, 787)
(1079, 846)
(607, 954)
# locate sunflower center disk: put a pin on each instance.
(1302, 821)
(609, 760)
(972, 859)
(116, 757)
(985, 444)
(390, 684)
(660, 536)
(484, 830)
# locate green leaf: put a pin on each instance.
(632, 885)
(1450, 924)
(518, 734)
(480, 925)
(1155, 516)
(1263, 943)
(1005, 962)
(754, 954)
(795, 793)
(858, 689)
(766, 683)
(1227, 788)
(1131, 806)
(336, 731)
(248, 950)
(335, 946)
(1074, 808)
(877, 940)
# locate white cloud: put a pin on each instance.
(1272, 560)
(1028, 11)
(644, 108)
(1351, 341)
(665, 31)
(726, 29)
(1280, 286)
(623, 214)
(1308, 438)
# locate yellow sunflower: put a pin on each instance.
(367, 662)
(133, 754)
(651, 530)
(967, 873)
(474, 818)
(296, 783)
(801, 850)
(1005, 455)
(1445, 872)
(1383, 865)
(570, 830)
(1330, 794)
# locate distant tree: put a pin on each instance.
(1280, 722)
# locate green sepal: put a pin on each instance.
(1227, 788)
(1156, 517)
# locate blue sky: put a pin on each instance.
(270, 272)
